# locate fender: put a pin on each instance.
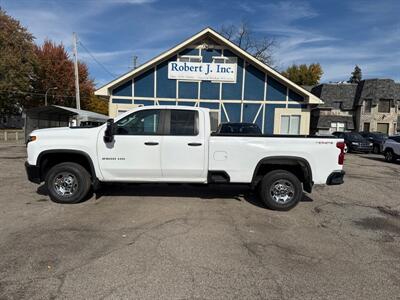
(286, 160)
(67, 151)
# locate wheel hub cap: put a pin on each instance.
(282, 191)
(65, 184)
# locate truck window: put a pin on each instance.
(184, 122)
(144, 122)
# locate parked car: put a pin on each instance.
(174, 144)
(391, 148)
(377, 139)
(239, 128)
(355, 142)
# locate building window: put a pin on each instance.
(290, 124)
(384, 106)
(190, 58)
(337, 126)
(214, 120)
(224, 60)
(336, 104)
(367, 106)
(366, 127)
(383, 127)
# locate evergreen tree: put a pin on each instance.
(356, 75)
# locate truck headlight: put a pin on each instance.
(31, 138)
(354, 143)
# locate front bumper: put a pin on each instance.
(335, 178)
(33, 173)
(360, 148)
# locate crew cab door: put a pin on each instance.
(135, 153)
(183, 155)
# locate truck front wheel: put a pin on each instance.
(280, 190)
(67, 182)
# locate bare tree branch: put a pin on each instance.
(242, 35)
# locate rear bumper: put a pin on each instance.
(335, 178)
(33, 173)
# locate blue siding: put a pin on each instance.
(233, 111)
(144, 84)
(293, 96)
(186, 103)
(122, 101)
(189, 51)
(209, 53)
(254, 83)
(250, 112)
(209, 90)
(167, 102)
(144, 102)
(233, 91)
(166, 88)
(124, 89)
(209, 105)
(188, 90)
(297, 106)
(259, 120)
(275, 90)
(270, 117)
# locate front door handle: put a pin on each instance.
(151, 143)
(194, 144)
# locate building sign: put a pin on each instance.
(202, 71)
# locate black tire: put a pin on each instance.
(376, 149)
(390, 156)
(276, 178)
(72, 172)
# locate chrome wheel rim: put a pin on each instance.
(65, 184)
(282, 191)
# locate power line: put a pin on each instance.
(94, 58)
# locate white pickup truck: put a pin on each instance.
(175, 144)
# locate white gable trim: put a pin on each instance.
(105, 90)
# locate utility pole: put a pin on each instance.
(77, 97)
(135, 61)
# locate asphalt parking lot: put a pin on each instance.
(187, 242)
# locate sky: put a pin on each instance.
(337, 34)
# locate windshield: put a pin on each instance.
(380, 136)
(354, 136)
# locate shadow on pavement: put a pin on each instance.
(212, 191)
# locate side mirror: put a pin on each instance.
(110, 131)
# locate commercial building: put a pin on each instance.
(370, 105)
(207, 70)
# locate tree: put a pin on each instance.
(96, 104)
(17, 63)
(303, 74)
(356, 75)
(56, 69)
(242, 35)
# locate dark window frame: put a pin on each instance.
(160, 126)
(388, 103)
(369, 106)
(167, 127)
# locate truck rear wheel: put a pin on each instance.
(281, 190)
(68, 182)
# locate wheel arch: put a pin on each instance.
(49, 158)
(297, 165)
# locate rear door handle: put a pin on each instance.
(151, 143)
(194, 144)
